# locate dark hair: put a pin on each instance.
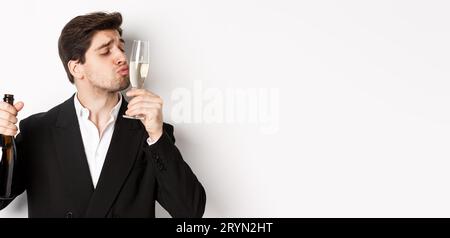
(76, 36)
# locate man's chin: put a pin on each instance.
(118, 88)
(124, 84)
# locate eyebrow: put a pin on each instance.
(109, 43)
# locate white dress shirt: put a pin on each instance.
(95, 146)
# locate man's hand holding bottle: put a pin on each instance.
(8, 118)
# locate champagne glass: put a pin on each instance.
(138, 67)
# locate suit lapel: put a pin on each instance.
(71, 156)
(125, 144)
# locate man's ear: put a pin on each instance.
(76, 69)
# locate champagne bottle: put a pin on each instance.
(8, 155)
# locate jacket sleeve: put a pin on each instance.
(18, 182)
(178, 189)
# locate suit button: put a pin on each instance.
(69, 215)
(160, 166)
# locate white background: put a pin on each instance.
(364, 123)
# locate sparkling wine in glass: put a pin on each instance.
(138, 67)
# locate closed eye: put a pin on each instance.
(105, 52)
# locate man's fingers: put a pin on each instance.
(9, 126)
(139, 91)
(19, 106)
(8, 108)
(7, 131)
(144, 109)
(135, 91)
(143, 105)
(8, 117)
(140, 99)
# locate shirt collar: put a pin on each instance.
(83, 112)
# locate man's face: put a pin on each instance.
(106, 66)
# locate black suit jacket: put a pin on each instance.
(53, 169)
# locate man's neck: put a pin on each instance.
(100, 106)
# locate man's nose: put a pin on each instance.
(121, 58)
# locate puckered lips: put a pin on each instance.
(124, 70)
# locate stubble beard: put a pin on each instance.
(113, 88)
(125, 83)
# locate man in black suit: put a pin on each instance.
(82, 158)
